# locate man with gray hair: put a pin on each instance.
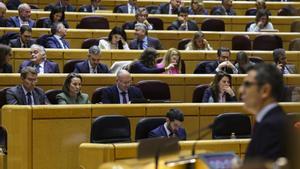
(58, 31)
(26, 93)
(2, 14)
(142, 40)
(23, 18)
(92, 64)
(39, 61)
(281, 63)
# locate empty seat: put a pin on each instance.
(93, 22)
(87, 43)
(97, 95)
(145, 125)
(251, 12)
(199, 92)
(182, 43)
(256, 59)
(42, 40)
(3, 97)
(110, 129)
(70, 65)
(228, 123)
(200, 68)
(152, 9)
(51, 95)
(267, 42)
(157, 23)
(213, 25)
(40, 22)
(294, 44)
(154, 89)
(241, 42)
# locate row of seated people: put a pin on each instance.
(182, 23)
(196, 7)
(148, 62)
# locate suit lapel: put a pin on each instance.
(35, 97)
(117, 98)
(22, 95)
(46, 67)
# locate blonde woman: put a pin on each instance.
(172, 56)
(198, 43)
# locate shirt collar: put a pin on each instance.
(25, 91)
(166, 129)
(57, 37)
(120, 91)
(264, 111)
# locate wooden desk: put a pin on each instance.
(181, 86)
(93, 155)
(49, 136)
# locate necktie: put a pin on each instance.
(124, 97)
(29, 101)
(141, 44)
(131, 9)
(64, 44)
(37, 68)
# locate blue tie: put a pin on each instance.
(141, 43)
(29, 101)
(124, 97)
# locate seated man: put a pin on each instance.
(142, 41)
(130, 7)
(26, 93)
(57, 40)
(92, 7)
(280, 61)
(24, 40)
(183, 23)
(122, 92)
(140, 17)
(172, 127)
(63, 4)
(222, 63)
(24, 11)
(2, 14)
(224, 9)
(92, 64)
(39, 61)
(169, 8)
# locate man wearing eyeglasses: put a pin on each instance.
(39, 61)
(26, 93)
(261, 91)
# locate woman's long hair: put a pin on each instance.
(167, 58)
(215, 84)
(66, 86)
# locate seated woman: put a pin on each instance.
(57, 15)
(172, 56)
(71, 91)
(220, 90)
(261, 22)
(198, 43)
(116, 40)
(146, 63)
(5, 54)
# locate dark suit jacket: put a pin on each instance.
(6, 68)
(52, 42)
(192, 26)
(161, 132)
(49, 67)
(14, 22)
(152, 42)
(3, 22)
(16, 43)
(16, 95)
(88, 8)
(164, 9)
(191, 12)
(269, 137)
(83, 67)
(124, 9)
(110, 95)
(211, 67)
(13, 4)
(138, 67)
(220, 10)
(129, 25)
(48, 23)
(208, 93)
(69, 8)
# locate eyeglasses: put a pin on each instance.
(248, 84)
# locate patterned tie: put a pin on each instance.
(29, 101)
(124, 97)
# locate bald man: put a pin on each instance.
(122, 92)
(2, 14)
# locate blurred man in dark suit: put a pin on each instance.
(39, 61)
(57, 40)
(172, 127)
(24, 40)
(24, 11)
(142, 40)
(260, 91)
(92, 64)
(122, 92)
(26, 93)
(169, 8)
(65, 4)
(183, 23)
(130, 7)
(91, 7)
(2, 15)
(224, 9)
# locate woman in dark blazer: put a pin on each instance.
(220, 90)
(57, 15)
(71, 91)
(147, 63)
(5, 54)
